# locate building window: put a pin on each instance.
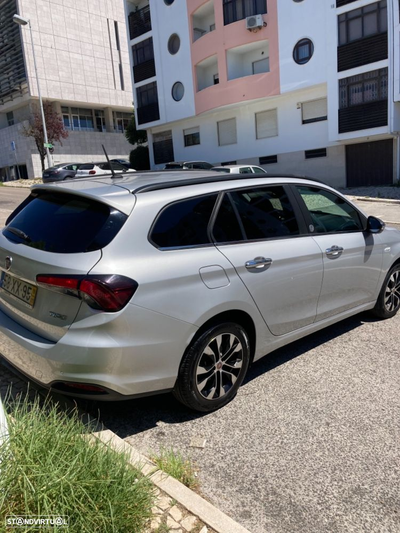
(260, 66)
(314, 111)
(368, 87)
(216, 79)
(147, 100)
(240, 9)
(78, 119)
(267, 124)
(143, 51)
(163, 147)
(363, 22)
(191, 136)
(312, 154)
(10, 118)
(174, 43)
(227, 132)
(121, 121)
(226, 163)
(268, 160)
(178, 91)
(303, 51)
(100, 120)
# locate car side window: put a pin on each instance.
(264, 213)
(184, 223)
(257, 170)
(245, 170)
(329, 213)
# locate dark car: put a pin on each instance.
(63, 171)
(199, 165)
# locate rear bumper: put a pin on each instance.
(134, 354)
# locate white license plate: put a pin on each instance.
(19, 289)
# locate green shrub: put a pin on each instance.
(48, 468)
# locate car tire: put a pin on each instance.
(213, 368)
(388, 302)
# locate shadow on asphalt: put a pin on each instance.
(135, 416)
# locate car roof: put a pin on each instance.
(237, 166)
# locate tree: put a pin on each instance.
(54, 125)
(139, 158)
(133, 135)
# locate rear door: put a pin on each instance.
(55, 233)
(261, 233)
(352, 257)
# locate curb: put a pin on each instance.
(377, 200)
(194, 503)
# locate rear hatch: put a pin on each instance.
(57, 232)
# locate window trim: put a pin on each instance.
(296, 47)
(307, 217)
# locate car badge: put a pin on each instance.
(8, 263)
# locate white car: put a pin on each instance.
(101, 168)
(240, 169)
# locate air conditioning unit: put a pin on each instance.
(254, 22)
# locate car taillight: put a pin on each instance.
(108, 293)
(92, 172)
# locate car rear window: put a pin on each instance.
(64, 223)
(184, 223)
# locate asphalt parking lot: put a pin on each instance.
(311, 442)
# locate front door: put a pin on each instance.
(352, 257)
(257, 230)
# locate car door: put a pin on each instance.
(260, 232)
(352, 257)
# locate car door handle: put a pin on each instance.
(334, 251)
(258, 262)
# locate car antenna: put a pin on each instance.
(108, 160)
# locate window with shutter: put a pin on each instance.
(267, 124)
(227, 132)
(314, 111)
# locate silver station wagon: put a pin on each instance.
(117, 287)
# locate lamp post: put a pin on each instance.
(23, 22)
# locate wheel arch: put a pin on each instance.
(238, 317)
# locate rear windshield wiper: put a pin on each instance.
(19, 233)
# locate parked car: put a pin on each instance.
(198, 165)
(240, 169)
(124, 162)
(63, 171)
(101, 168)
(178, 281)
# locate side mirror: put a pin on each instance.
(375, 225)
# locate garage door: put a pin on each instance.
(369, 163)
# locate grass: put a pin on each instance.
(174, 464)
(47, 468)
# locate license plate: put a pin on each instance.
(25, 292)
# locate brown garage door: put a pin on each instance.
(369, 163)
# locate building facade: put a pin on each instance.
(83, 69)
(296, 86)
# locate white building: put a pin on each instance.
(83, 69)
(298, 86)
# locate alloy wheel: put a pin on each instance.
(219, 366)
(392, 292)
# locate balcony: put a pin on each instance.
(235, 10)
(139, 22)
(207, 73)
(364, 116)
(249, 59)
(148, 113)
(363, 52)
(203, 20)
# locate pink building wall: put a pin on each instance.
(224, 38)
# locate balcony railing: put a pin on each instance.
(363, 116)
(144, 70)
(148, 113)
(139, 22)
(363, 52)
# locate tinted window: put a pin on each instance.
(86, 167)
(245, 170)
(64, 223)
(226, 227)
(329, 213)
(184, 223)
(265, 213)
(258, 170)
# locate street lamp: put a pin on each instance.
(23, 22)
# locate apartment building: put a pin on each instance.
(297, 86)
(83, 68)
